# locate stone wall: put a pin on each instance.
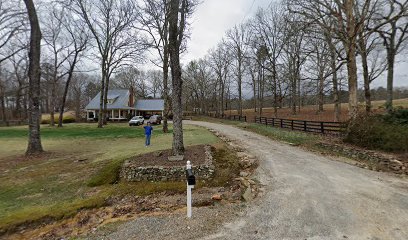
(381, 159)
(133, 173)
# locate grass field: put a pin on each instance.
(310, 112)
(57, 184)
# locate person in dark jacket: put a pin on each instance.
(148, 132)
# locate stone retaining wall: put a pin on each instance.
(384, 160)
(133, 173)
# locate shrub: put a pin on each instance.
(45, 121)
(68, 119)
(381, 132)
(397, 116)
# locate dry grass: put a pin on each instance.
(311, 112)
(55, 185)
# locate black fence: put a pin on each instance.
(301, 125)
(229, 117)
(8, 123)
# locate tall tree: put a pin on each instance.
(237, 37)
(392, 26)
(155, 21)
(111, 25)
(78, 36)
(179, 11)
(34, 74)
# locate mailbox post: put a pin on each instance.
(190, 185)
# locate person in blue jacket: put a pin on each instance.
(148, 132)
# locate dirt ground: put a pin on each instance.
(195, 154)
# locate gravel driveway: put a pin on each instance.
(307, 196)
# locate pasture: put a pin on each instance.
(311, 113)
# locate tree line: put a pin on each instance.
(55, 54)
(295, 50)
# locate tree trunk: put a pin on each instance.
(165, 89)
(105, 99)
(321, 91)
(363, 53)
(67, 83)
(34, 74)
(3, 105)
(351, 59)
(101, 114)
(333, 66)
(239, 83)
(390, 79)
(275, 91)
(52, 103)
(177, 83)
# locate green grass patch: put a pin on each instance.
(83, 130)
(78, 170)
(292, 137)
(108, 174)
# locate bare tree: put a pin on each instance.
(155, 21)
(110, 23)
(392, 26)
(220, 62)
(237, 37)
(34, 73)
(78, 37)
(270, 27)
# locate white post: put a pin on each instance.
(189, 199)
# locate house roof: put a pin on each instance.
(150, 105)
(120, 97)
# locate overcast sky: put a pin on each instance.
(214, 17)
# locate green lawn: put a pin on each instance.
(58, 183)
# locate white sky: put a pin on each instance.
(213, 18)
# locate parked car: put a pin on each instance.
(136, 121)
(155, 119)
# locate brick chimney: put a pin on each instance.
(131, 97)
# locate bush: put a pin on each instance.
(397, 116)
(68, 119)
(383, 132)
(45, 121)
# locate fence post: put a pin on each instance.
(304, 126)
(281, 123)
(292, 124)
(322, 127)
(273, 122)
(266, 121)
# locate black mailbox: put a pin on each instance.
(190, 177)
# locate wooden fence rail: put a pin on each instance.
(301, 125)
(229, 117)
(13, 123)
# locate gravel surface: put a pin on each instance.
(204, 222)
(306, 196)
